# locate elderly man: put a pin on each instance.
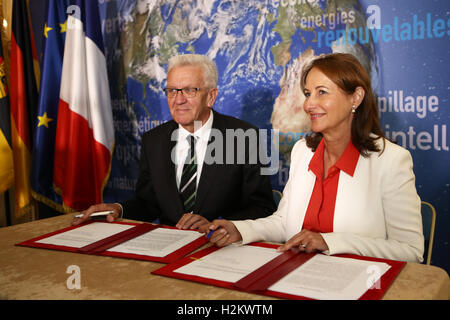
(177, 183)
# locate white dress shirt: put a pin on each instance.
(182, 147)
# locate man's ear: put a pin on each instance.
(212, 96)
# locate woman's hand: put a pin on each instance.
(306, 241)
(224, 232)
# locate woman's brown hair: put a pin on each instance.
(348, 74)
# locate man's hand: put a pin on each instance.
(115, 207)
(191, 221)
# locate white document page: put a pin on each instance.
(85, 235)
(327, 277)
(158, 242)
(230, 263)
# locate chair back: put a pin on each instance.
(429, 223)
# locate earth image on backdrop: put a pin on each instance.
(259, 46)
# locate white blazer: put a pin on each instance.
(377, 211)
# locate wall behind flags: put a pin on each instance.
(260, 47)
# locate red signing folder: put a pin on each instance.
(101, 246)
(264, 277)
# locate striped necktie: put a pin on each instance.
(189, 177)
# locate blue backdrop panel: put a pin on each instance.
(259, 47)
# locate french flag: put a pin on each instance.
(84, 133)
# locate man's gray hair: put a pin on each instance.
(210, 74)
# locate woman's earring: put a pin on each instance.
(353, 109)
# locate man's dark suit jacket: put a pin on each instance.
(230, 191)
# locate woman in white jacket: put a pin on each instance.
(349, 190)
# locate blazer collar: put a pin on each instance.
(347, 162)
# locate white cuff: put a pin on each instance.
(121, 210)
(246, 232)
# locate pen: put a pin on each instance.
(212, 231)
(96, 214)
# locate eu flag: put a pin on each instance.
(45, 124)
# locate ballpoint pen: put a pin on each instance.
(211, 231)
(96, 214)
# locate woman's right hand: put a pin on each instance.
(224, 232)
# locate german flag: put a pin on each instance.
(24, 98)
(6, 156)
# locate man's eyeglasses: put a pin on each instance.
(187, 92)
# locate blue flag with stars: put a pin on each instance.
(54, 34)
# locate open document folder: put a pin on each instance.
(259, 268)
(140, 241)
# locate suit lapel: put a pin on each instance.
(209, 171)
(170, 169)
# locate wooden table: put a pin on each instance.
(30, 273)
